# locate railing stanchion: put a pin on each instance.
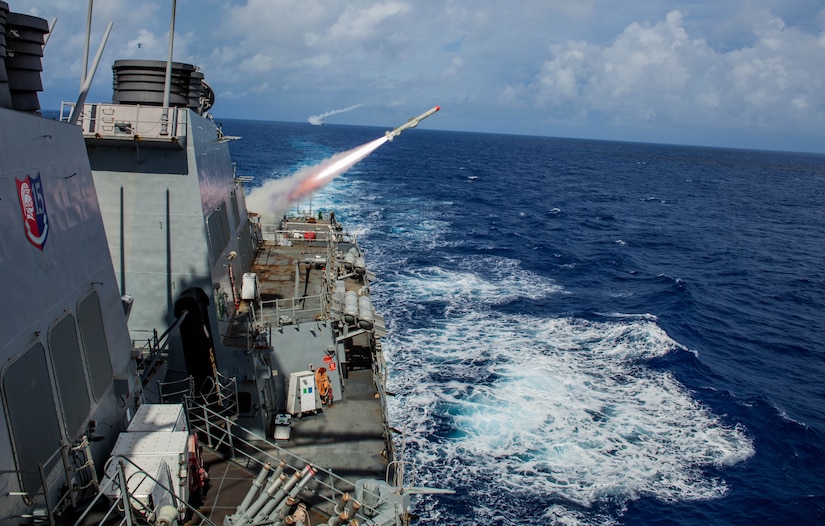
(208, 427)
(229, 438)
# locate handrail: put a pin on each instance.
(301, 309)
(125, 504)
(287, 311)
(126, 121)
(226, 394)
(155, 347)
(71, 493)
(245, 443)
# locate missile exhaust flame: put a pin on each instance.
(274, 198)
(321, 174)
(277, 195)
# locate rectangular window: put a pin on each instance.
(236, 213)
(30, 409)
(68, 371)
(95, 346)
(217, 226)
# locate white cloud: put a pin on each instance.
(364, 24)
(659, 72)
(454, 68)
(559, 67)
(147, 42)
(258, 63)
(261, 88)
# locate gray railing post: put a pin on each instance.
(124, 493)
(207, 425)
(229, 437)
(44, 482)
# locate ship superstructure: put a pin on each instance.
(175, 214)
(66, 374)
(156, 321)
(241, 312)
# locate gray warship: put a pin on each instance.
(165, 350)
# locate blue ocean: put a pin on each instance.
(587, 332)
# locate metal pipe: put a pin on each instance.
(341, 506)
(124, 492)
(164, 123)
(272, 491)
(297, 278)
(67, 471)
(85, 65)
(344, 510)
(279, 516)
(256, 486)
(81, 99)
(168, 80)
(47, 35)
(353, 510)
(283, 508)
(44, 481)
(88, 451)
(276, 500)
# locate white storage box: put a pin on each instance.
(158, 417)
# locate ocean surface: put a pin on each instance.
(588, 332)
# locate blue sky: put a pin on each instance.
(728, 73)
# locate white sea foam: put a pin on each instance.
(463, 289)
(562, 410)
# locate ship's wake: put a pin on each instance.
(561, 412)
(514, 409)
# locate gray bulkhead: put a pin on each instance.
(63, 334)
(174, 213)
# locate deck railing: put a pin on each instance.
(128, 121)
(77, 466)
(165, 506)
(253, 451)
(150, 355)
(300, 309)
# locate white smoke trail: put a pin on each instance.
(317, 120)
(273, 199)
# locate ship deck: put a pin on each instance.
(340, 440)
(346, 439)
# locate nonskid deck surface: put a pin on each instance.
(346, 438)
(275, 266)
(284, 272)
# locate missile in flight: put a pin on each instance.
(412, 123)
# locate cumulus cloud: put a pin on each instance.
(660, 71)
(363, 24)
(560, 67)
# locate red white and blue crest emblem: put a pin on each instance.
(33, 206)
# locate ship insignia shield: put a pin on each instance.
(33, 206)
